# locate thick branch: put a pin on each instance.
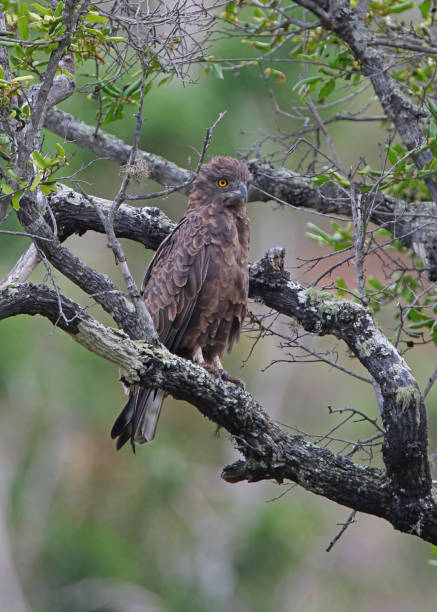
(403, 414)
(269, 452)
(403, 411)
(97, 285)
(350, 25)
(414, 224)
(111, 147)
(76, 214)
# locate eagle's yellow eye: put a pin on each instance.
(222, 182)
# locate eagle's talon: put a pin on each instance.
(224, 375)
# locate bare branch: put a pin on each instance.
(414, 221)
(269, 452)
(350, 519)
(24, 267)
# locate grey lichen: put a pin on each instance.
(11, 292)
(408, 397)
(109, 345)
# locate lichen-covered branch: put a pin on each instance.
(98, 285)
(269, 453)
(414, 224)
(76, 214)
(403, 413)
(111, 147)
(350, 25)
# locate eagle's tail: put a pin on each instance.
(138, 420)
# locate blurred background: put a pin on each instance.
(84, 527)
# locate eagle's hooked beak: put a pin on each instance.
(237, 195)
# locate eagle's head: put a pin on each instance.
(223, 181)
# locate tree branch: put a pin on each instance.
(349, 24)
(403, 410)
(95, 284)
(413, 223)
(111, 147)
(269, 453)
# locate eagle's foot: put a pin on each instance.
(223, 374)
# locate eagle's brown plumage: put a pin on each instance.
(196, 286)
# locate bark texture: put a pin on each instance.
(269, 452)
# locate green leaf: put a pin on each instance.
(319, 179)
(163, 81)
(342, 180)
(340, 283)
(401, 7)
(415, 315)
(312, 79)
(375, 283)
(22, 79)
(259, 13)
(327, 89)
(59, 9)
(111, 90)
(424, 323)
(16, 199)
(334, 55)
(41, 9)
(47, 188)
(39, 160)
(60, 150)
(36, 181)
(432, 133)
(424, 8)
(319, 232)
(25, 109)
(262, 46)
(7, 189)
(432, 107)
(94, 17)
(392, 157)
(133, 87)
(23, 27)
(217, 70)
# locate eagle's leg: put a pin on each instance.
(217, 368)
(197, 356)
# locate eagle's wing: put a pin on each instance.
(171, 287)
(175, 277)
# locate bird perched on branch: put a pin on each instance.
(196, 286)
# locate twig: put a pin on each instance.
(26, 234)
(361, 414)
(187, 183)
(360, 224)
(429, 384)
(349, 521)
